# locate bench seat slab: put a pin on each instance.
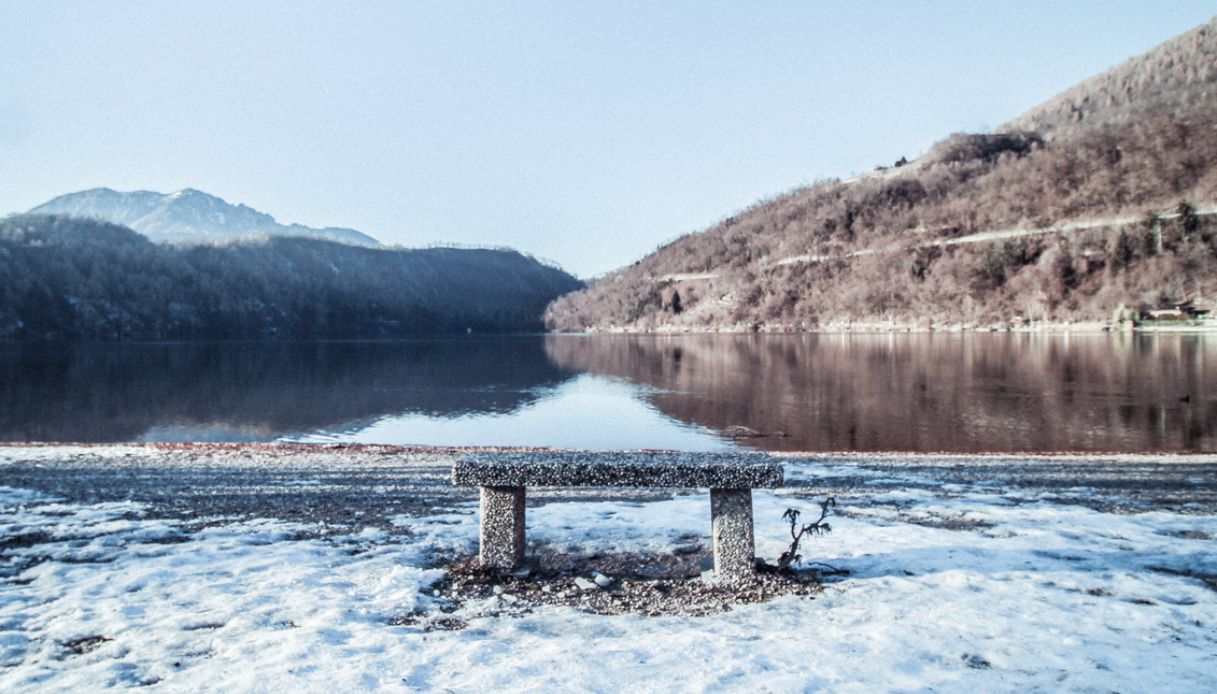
(616, 469)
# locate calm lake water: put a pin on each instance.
(931, 392)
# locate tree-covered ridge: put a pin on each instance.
(1180, 74)
(63, 277)
(1017, 225)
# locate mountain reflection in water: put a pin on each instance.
(924, 392)
(252, 391)
(930, 392)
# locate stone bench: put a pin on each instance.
(503, 476)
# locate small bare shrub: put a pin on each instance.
(816, 527)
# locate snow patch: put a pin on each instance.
(971, 590)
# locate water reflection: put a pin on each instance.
(812, 392)
(932, 392)
(258, 391)
(587, 412)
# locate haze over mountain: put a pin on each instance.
(1103, 195)
(187, 216)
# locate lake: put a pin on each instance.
(818, 392)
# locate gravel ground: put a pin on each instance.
(616, 584)
(354, 486)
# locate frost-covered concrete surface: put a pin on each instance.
(255, 569)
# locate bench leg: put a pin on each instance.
(502, 530)
(731, 522)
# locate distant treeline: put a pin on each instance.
(63, 277)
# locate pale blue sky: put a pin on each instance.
(582, 132)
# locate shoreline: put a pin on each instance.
(355, 484)
(410, 450)
(882, 328)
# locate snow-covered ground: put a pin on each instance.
(954, 585)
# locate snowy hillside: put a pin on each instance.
(185, 216)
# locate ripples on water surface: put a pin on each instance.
(927, 392)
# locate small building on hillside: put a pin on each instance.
(1190, 309)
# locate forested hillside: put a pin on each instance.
(1102, 196)
(63, 277)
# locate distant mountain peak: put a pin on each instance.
(188, 215)
(195, 192)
